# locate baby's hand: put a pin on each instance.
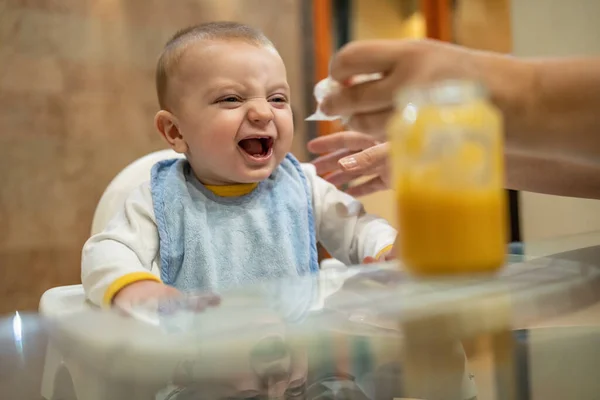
(387, 256)
(142, 291)
(169, 299)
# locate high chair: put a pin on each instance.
(70, 299)
(59, 372)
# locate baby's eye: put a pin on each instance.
(278, 99)
(229, 99)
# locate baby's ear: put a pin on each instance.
(168, 126)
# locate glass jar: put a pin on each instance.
(448, 172)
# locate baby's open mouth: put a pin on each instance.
(257, 147)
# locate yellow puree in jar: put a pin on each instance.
(447, 223)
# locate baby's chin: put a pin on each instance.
(247, 173)
(254, 175)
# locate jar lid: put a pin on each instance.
(445, 92)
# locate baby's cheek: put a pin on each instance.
(218, 137)
(282, 147)
(223, 123)
(284, 120)
(285, 133)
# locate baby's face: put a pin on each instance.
(231, 103)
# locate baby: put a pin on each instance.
(239, 208)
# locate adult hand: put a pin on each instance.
(403, 63)
(346, 156)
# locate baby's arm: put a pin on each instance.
(344, 228)
(116, 264)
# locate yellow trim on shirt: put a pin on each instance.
(232, 190)
(125, 280)
(384, 250)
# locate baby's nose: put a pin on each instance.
(260, 110)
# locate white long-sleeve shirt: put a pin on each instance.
(127, 250)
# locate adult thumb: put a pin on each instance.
(367, 159)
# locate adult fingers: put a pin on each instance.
(373, 123)
(372, 96)
(329, 163)
(396, 60)
(340, 178)
(368, 159)
(368, 187)
(349, 140)
(364, 57)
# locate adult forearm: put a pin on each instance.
(566, 108)
(552, 117)
(552, 176)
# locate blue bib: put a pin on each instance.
(213, 243)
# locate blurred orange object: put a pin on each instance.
(437, 19)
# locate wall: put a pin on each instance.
(483, 24)
(76, 106)
(556, 28)
(384, 19)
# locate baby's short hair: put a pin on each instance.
(175, 47)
